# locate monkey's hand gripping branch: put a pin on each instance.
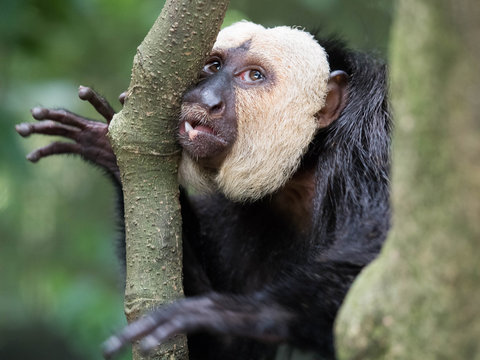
(89, 136)
(213, 313)
(295, 309)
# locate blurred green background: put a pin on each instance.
(60, 281)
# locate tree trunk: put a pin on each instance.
(421, 298)
(143, 136)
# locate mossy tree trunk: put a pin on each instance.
(421, 298)
(143, 136)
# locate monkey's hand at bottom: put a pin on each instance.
(89, 136)
(214, 313)
(282, 312)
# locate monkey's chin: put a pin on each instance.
(206, 148)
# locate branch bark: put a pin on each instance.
(143, 136)
(419, 299)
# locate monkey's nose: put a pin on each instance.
(213, 102)
(217, 109)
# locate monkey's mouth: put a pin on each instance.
(192, 129)
(207, 140)
(202, 142)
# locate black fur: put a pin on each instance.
(253, 280)
(245, 250)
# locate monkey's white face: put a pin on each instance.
(264, 87)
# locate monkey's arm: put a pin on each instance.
(299, 309)
(89, 136)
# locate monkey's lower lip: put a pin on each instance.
(193, 131)
(189, 135)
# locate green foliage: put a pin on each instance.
(59, 272)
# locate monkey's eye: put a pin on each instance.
(212, 67)
(251, 76)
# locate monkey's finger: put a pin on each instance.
(176, 325)
(47, 127)
(54, 149)
(98, 102)
(122, 97)
(131, 332)
(150, 342)
(62, 116)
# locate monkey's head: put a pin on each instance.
(261, 98)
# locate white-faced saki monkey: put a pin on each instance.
(286, 156)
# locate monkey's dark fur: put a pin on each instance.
(307, 275)
(253, 278)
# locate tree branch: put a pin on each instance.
(143, 136)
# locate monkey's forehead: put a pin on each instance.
(281, 44)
